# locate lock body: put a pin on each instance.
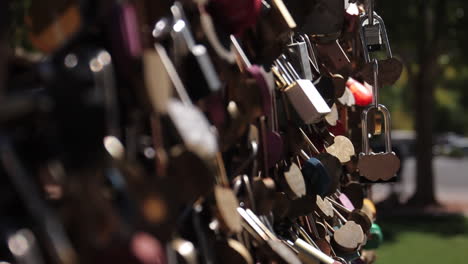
(307, 101)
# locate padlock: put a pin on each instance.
(375, 237)
(377, 166)
(309, 254)
(362, 95)
(271, 32)
(324, 10)
(196, 65)
(334, 58)
(192, 126)
(317, 179)
(373, 36)
(303, 96)
(372, 31)
(298, 55)
(267, 242)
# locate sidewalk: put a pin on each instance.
(451, 181)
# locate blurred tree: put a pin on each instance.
(428, 36)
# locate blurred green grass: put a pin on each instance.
(424, 239)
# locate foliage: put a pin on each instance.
(405, 26)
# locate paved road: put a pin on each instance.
(451, 178)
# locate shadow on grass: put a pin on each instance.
(441, 225)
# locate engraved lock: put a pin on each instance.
(303, 95)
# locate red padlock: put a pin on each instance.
(362, 95)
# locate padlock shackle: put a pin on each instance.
(298, 53)
(375, 87)
(365, 133)
(292, 71)
(311, 51)
(384, 36)
(370, 11)
(244, 61)
(284, 72)
(173, 75)
(103, 74)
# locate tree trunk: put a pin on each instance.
(423, 87)
(424, 101)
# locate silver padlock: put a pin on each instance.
(192, 126)
(377, 166)
(373, 33)
(302, 94)
(373, 37)
(183, 39)
(299, 56)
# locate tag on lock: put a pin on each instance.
(373, 37)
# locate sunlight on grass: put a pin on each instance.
(427, 240)
(416, 247)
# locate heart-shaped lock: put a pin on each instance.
(342, 148)
(348, 98)
(377, 166)
(362, 96)
(390, 71)
(349, 237)
(295, 181)
(373, 34)
(325, 208)
(317, 178)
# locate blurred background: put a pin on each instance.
(424, 215)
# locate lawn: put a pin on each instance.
(424, 240)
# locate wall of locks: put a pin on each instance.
(195, 131)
